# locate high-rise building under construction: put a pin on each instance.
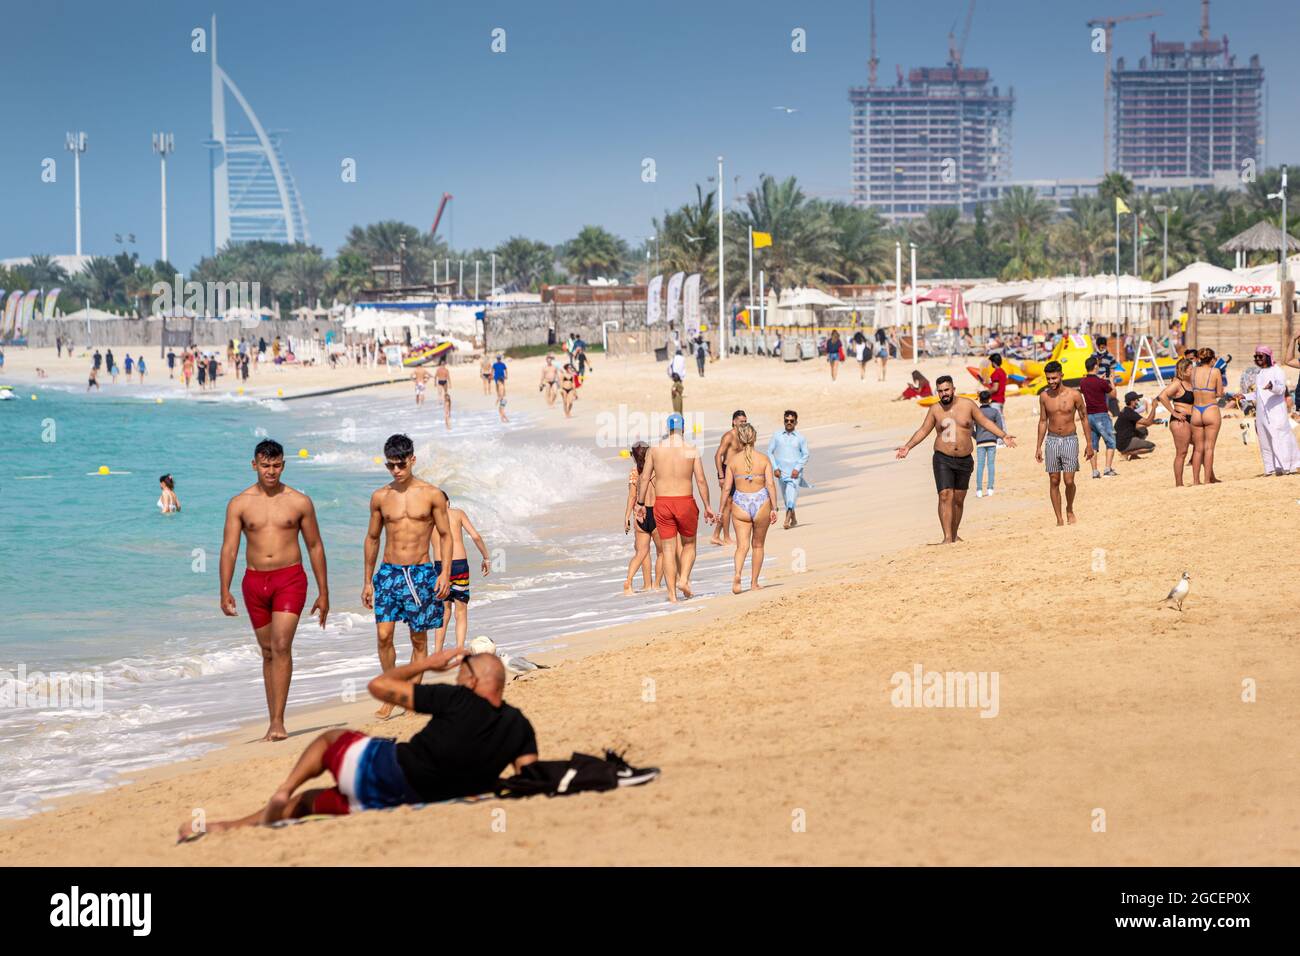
(1188, 110)
(930, 139)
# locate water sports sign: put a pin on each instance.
(1221, 291)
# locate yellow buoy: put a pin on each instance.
(103, 469)
(240, 390)
(624, 454)
(302, 452)
(279, 391)
(33, 398)
(158, 400)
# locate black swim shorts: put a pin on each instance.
(951, 472)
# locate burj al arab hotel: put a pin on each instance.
(253, 193)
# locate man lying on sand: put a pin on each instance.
(471, 737)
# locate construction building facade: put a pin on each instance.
(1188, 110)
(929, 141)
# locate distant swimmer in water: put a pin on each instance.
(460, 526)
(271, 515)
(751, 486)
(167, 500)
(407, 587)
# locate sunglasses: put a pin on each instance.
(394, 465)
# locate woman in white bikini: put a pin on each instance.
(749, 481)
(167, 500)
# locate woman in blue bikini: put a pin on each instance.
(1207, 388)
(749, 481)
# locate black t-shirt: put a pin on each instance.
(465, 745)
(1126, 426)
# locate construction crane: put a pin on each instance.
(955, 49)
(1109, 24)
(874, 61)
(433, 233)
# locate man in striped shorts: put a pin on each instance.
(1059, 406)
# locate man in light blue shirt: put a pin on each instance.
(789, 453)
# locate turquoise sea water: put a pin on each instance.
(93, 579)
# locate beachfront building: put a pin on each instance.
(1188, 110)
(929, 140)
(254, 195)
(1060, 192)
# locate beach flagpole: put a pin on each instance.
(762, 306)
(722, 279)
(751, 276)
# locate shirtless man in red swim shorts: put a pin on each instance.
(672, 465)
(271, 515)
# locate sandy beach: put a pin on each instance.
(773, 714)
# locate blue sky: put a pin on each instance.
(549, 135)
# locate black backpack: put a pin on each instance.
(556, 778)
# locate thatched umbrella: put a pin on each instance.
(1261, 237)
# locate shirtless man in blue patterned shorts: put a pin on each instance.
(407, 587)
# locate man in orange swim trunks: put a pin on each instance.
(672, 466)
(271, 515)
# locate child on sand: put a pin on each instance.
(986, 445)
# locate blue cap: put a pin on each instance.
(676, 423)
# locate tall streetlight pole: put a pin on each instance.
(493, 290)
(476, 265)
(898, 282)
(722, 280)
(460, 278)
(1281, 261)
(1166, 210)
(164, 143)
(75, 143)
(916, 331)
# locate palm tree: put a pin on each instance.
(1081, 241)
(688, 238)
(940, 237)
(1020, 221)
(595, 253)
(521, 262)
(305, 272)
(380, 243)
(1115, 185)
(42, 272)
(803, 235)
(861, 251)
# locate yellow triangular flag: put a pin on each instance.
(1121, 206)
(762, 239)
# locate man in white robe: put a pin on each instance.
(1277, 444)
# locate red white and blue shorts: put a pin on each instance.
(368, 775)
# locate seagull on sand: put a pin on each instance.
(1179, 593)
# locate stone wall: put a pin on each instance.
(146, 332)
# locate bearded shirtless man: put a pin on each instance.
(952, 419)
(271, 515)
(728, 444)
(672, 466)
(1058, 407)
(407, 587)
